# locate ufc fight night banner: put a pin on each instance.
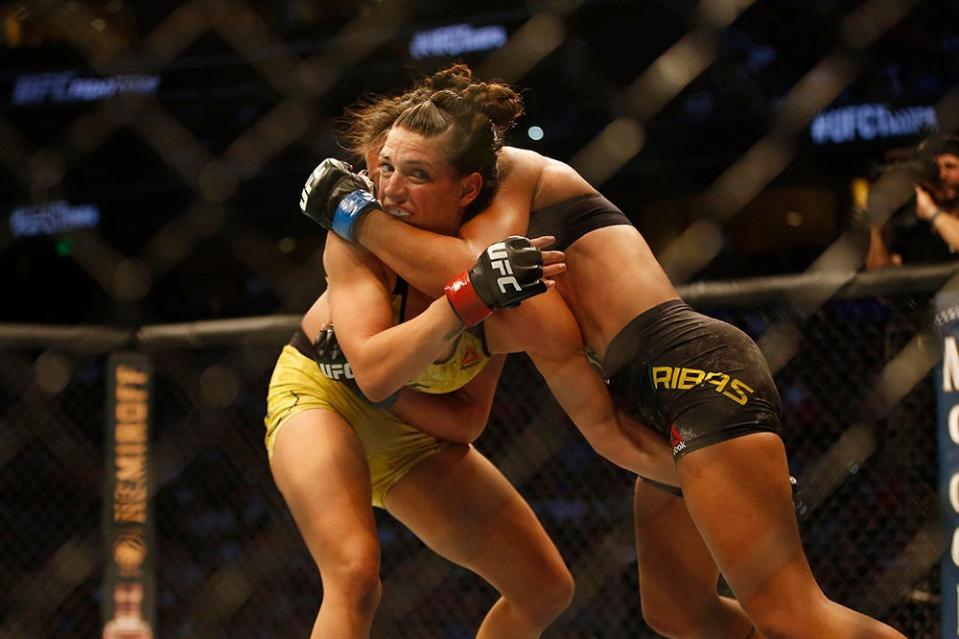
(128, 608)
(947, 398)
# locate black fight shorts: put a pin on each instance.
(694, 378)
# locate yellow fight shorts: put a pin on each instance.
(392, 446)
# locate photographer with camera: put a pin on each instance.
(926, 230)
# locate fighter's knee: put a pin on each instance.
(366, 591)
(549, 596)
(563, 589)
(356, 583)
(556, 593)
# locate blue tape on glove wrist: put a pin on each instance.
(349, 210)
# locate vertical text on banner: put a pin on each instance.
(128, 607)
(947, 406)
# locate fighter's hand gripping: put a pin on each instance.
(505, 274)
(336, 198)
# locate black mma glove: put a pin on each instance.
(336, 198)
(333, 365)
(505, 274)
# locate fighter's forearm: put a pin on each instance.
(583, 396)
(424, 259)
(457, 417)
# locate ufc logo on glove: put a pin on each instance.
(308, 187)
(505, 274)
(499, 260)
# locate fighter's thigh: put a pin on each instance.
(739, 496)
(320, 468)
(462, 507)
(674, 563)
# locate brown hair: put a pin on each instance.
(477, 116)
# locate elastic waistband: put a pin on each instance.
(631, 339)
(301, 342)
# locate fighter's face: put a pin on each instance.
(418, 184)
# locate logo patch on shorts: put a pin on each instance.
(676, 440)
(470, 357)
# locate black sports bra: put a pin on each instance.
(571, 219)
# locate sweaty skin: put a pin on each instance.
(555, 347)
(544, 327)
(595, 275)
(737, 500)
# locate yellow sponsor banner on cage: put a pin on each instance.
(128, 606)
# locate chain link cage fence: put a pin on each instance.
(215, 145)
(229, 560)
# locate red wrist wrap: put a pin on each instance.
(465, 302)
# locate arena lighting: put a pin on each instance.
(866, 122)
(39, 88)
(455, 40)
(52, 218)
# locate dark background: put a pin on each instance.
(179, 243)
(197, 185)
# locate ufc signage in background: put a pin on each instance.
(947, 398)
(128, 602)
